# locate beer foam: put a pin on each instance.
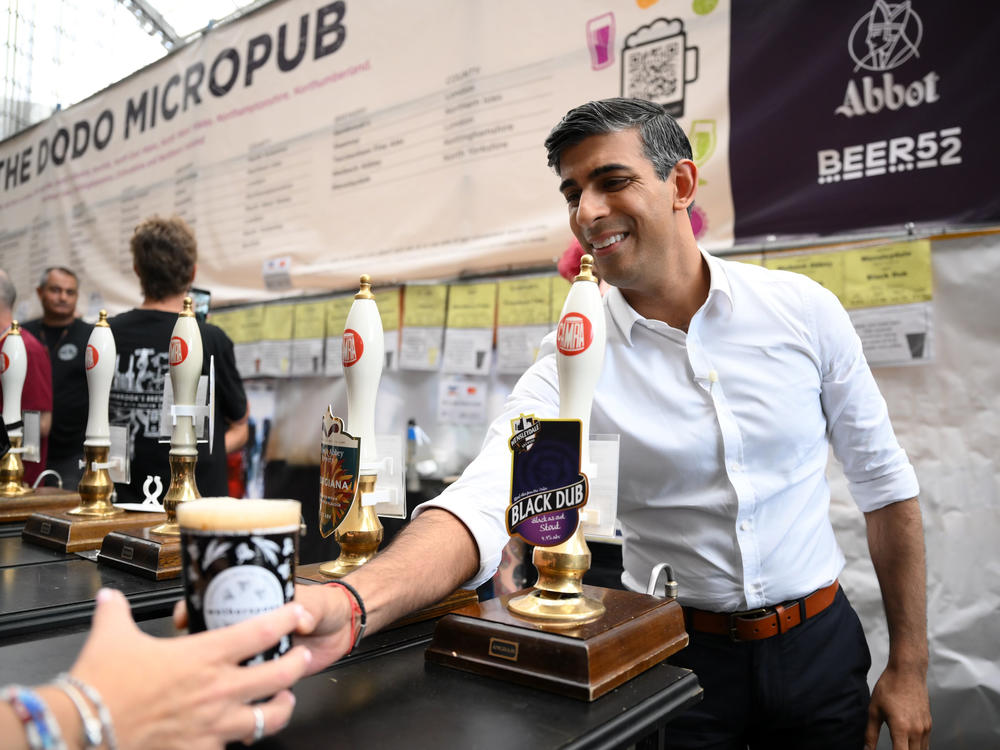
(231, 514)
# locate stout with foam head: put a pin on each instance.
(239, 561)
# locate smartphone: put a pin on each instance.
(201, 298)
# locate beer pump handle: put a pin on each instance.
(13, 368)
(100, 366)
(363, 354)
(185, 369)
(580, 340)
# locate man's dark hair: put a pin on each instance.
(663, 141)
(62, 269)
(165, 253)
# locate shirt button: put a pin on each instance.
(737, 466)
(745, 525)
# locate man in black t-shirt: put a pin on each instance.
(65, 336)
(164, 254)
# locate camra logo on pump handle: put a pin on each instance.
(91, 359)
(178, 350)
(352, 348)
(574, 335)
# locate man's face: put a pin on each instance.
(58, 295)
(619, 209)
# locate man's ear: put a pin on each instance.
(686, 179)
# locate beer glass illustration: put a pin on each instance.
(601, 40)
(702, 137)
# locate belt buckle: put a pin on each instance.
(751, 614)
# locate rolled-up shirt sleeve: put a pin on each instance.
(877, 468)
(481, 495)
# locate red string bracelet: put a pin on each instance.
(357, 612)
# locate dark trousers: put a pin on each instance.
(805, 689)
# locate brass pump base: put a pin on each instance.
(359, 535)
(555, 609)
(558, 594)
(95, 486)
(12, 471)
(182, 488)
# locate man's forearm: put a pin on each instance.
(896, 544)
(432, 556)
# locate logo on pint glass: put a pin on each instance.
(352, 348)
(574, 334)
(178, 350)
(92, 357)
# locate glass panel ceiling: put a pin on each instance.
(59, 52)
(188, 16)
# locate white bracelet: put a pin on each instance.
(108, 731)
(92, 732)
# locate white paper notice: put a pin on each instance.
(247, 359)
(307, 356)
(517, 347)
(467, 350)
(334, 367)
(275, 358)
(392, 350)
(421, 349)
(897, 334)
(462, 401)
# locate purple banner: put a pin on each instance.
(862, 114)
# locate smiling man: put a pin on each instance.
(728, 384)
(66, 337)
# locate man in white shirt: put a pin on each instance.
(727, 384)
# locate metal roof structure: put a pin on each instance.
(59, 52)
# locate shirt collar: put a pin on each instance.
(719, 288)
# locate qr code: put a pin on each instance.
(653, 72)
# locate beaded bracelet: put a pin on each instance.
(357, 607)
(40, 725)
(108, 731)
(93, 734)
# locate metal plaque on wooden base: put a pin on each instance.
(143, 552)
(39, 500)
(582, 661)
(71, 533)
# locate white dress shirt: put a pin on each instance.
(725, 435)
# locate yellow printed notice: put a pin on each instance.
(754, 259)
(277, 323)
(559, 289)
(824, 268)
(223, 319)
(524, 302)
(253, 323)
(896, 274)
(388, 307)
(336, 315)
(472, 305)
(310, 320)
(424, 305)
